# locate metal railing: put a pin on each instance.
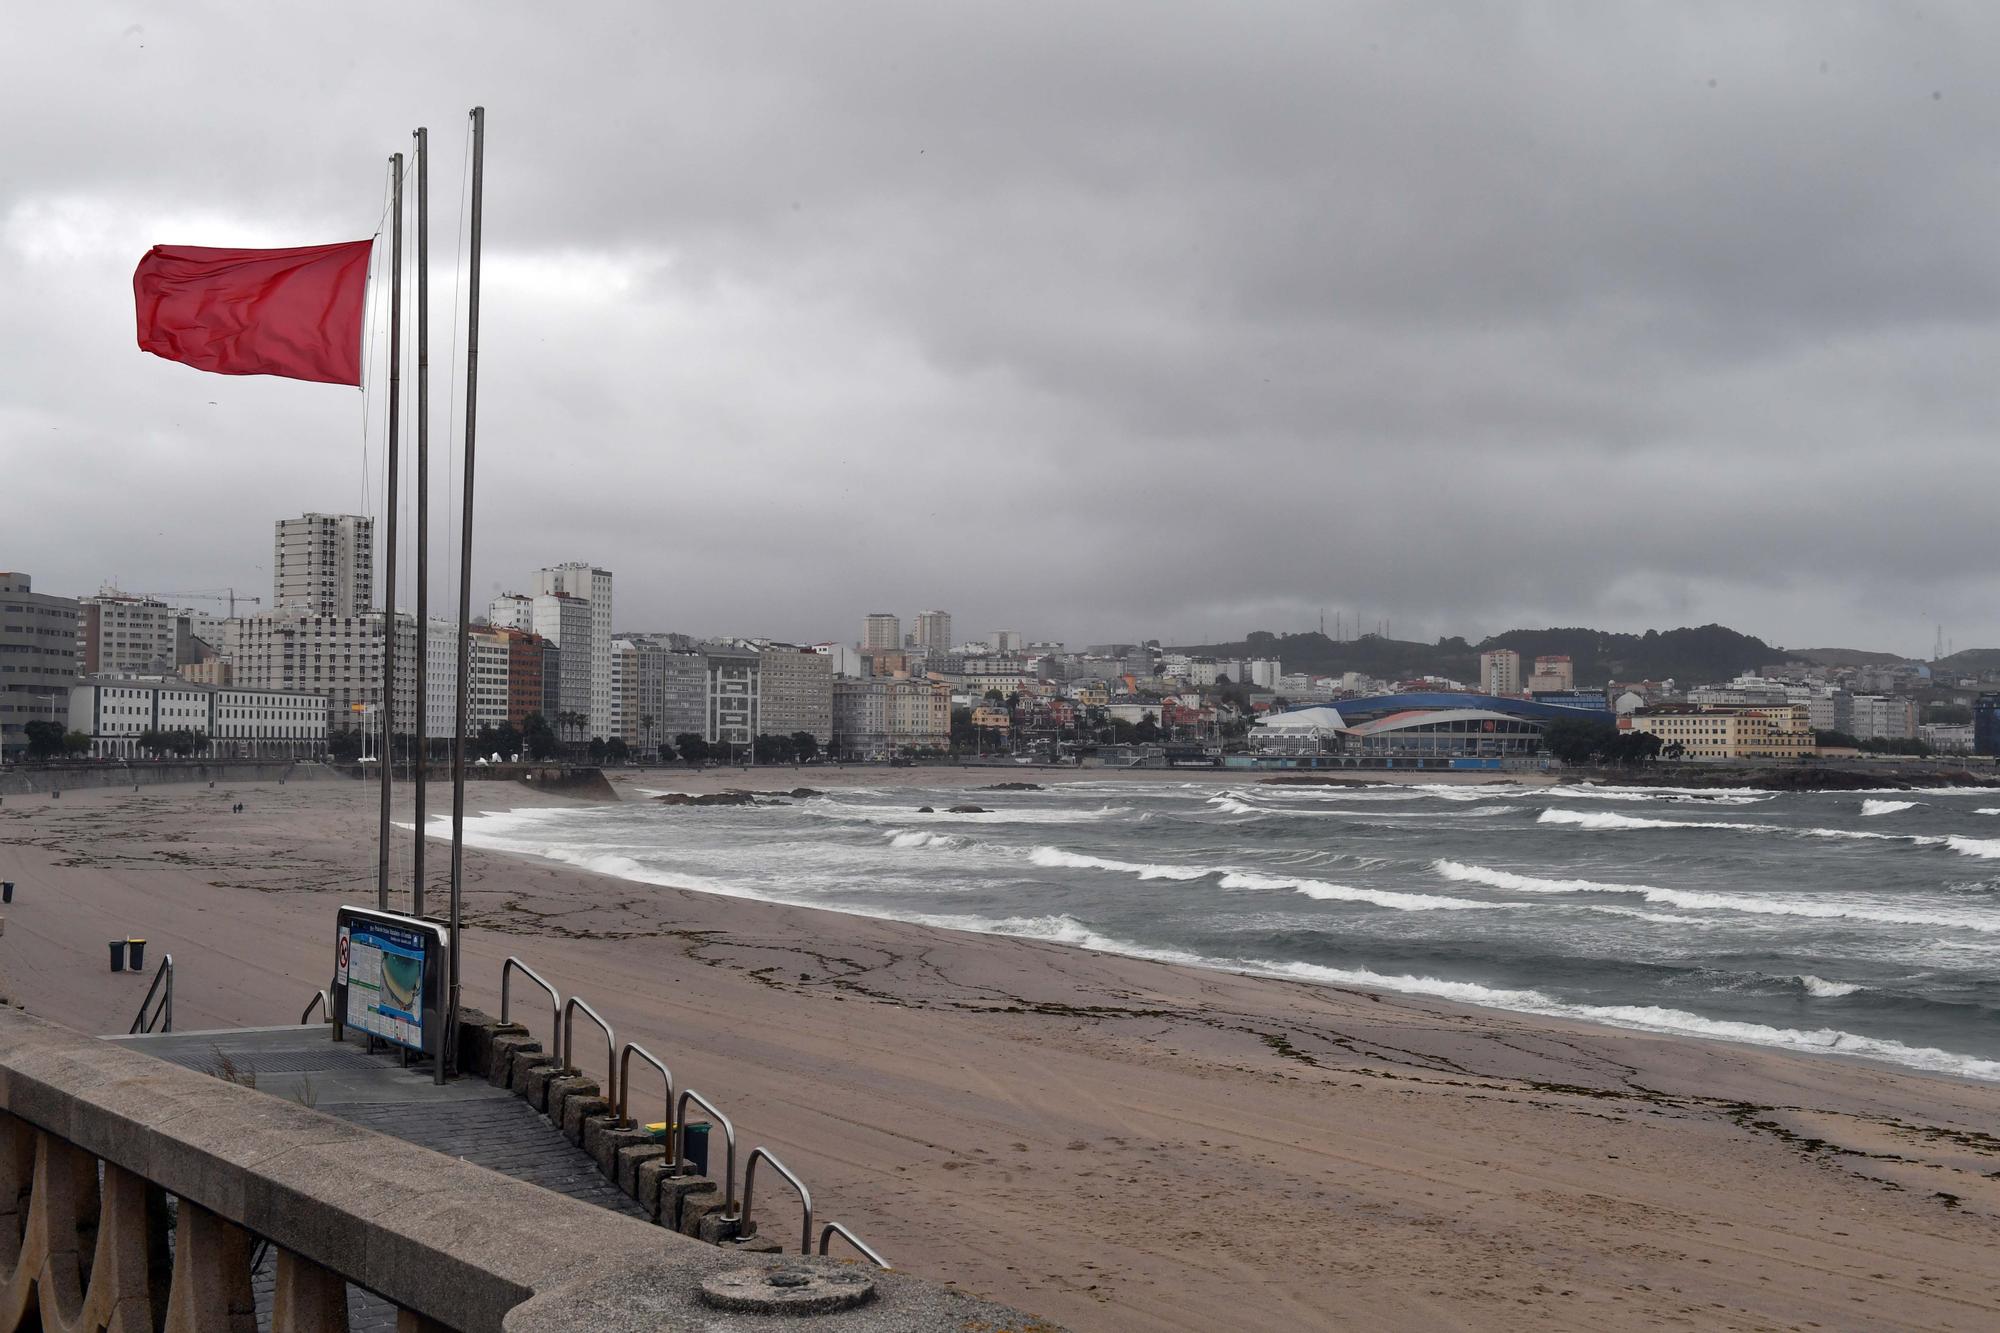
(507, 970)
(321, 1003)
(161, 1019)
(678, 1130)
(568, 1057)
(827, 1233)
(750, 1190)
(632, 1048)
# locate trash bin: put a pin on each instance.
(694, 1146)
(138, 954)
(6, 890)
(118, 955)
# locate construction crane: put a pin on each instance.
(216, 595)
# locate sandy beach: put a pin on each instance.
(1115, 1143)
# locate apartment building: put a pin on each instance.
(38, 658)
(1778, 731)
(795, 691)
(1500, 672)
(933, 631)
(119, 634)
(323, 565)
(1882, 717)
(889, 715)
(881, 633)
(566, 621)
(593, 587)
(1552, 673)
(338, 658)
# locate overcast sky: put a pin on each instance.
(1093, 321)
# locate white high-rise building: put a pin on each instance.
(324, 565)
(934, 631)
(1008, 640)
(593, 587)
(1500, 672)
(511, 610)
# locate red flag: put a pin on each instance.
(295, 312)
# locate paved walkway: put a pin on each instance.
(466, 1118)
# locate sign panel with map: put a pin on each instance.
(386, 971)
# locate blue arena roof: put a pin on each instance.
(1352, 710)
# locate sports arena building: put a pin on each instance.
(1430, 725)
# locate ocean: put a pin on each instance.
(1856, 924)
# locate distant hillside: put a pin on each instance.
(1845, 657)
(1971, 661)
(1704, 653)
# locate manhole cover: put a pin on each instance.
(794, 1289)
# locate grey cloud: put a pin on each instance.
(1104, 320)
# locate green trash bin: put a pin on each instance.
(118, 955)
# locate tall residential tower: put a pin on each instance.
(324, 565)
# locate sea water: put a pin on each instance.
(1857, 924)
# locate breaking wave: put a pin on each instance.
(1871, 806)
(920, 839)
(1821, 988)
(1653, 1018)
(1055, 858)
(1700, 900)
(1345, 893)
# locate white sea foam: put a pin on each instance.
(1871, 806)
(1987, 810)
(1821, 988)
(1329, 892)
(1987, 848)
(1230, 806)
(1604, 820)
(918, 838)
(1055, 858)
(1652, 1018)
(865, 814)
(1698, 900)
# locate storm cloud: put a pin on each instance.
(1101, 321)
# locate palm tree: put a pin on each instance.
(646, 726)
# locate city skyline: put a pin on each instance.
(1265, 317)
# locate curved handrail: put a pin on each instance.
(826, 1233)
(568, 1056)
(679, 1132)
(164, 1014)
(625, 1082)
(319, 1002)
(750, 1188)
(507, 970)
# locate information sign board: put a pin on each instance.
(388, 975)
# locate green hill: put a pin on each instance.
(1701, 653)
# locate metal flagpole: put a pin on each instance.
(465, 559)
(387, 758)
(423, 507)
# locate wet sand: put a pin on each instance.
(1118, 1144)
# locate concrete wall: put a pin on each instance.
(23, 779)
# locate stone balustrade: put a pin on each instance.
(453, 1246)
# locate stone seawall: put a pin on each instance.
(23, 780)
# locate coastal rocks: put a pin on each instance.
(708, 798)
(968, 810)
(1015, 786)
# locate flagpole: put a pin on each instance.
(423, 506)
(465, 557)
(388, 757)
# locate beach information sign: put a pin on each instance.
(386, 976)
